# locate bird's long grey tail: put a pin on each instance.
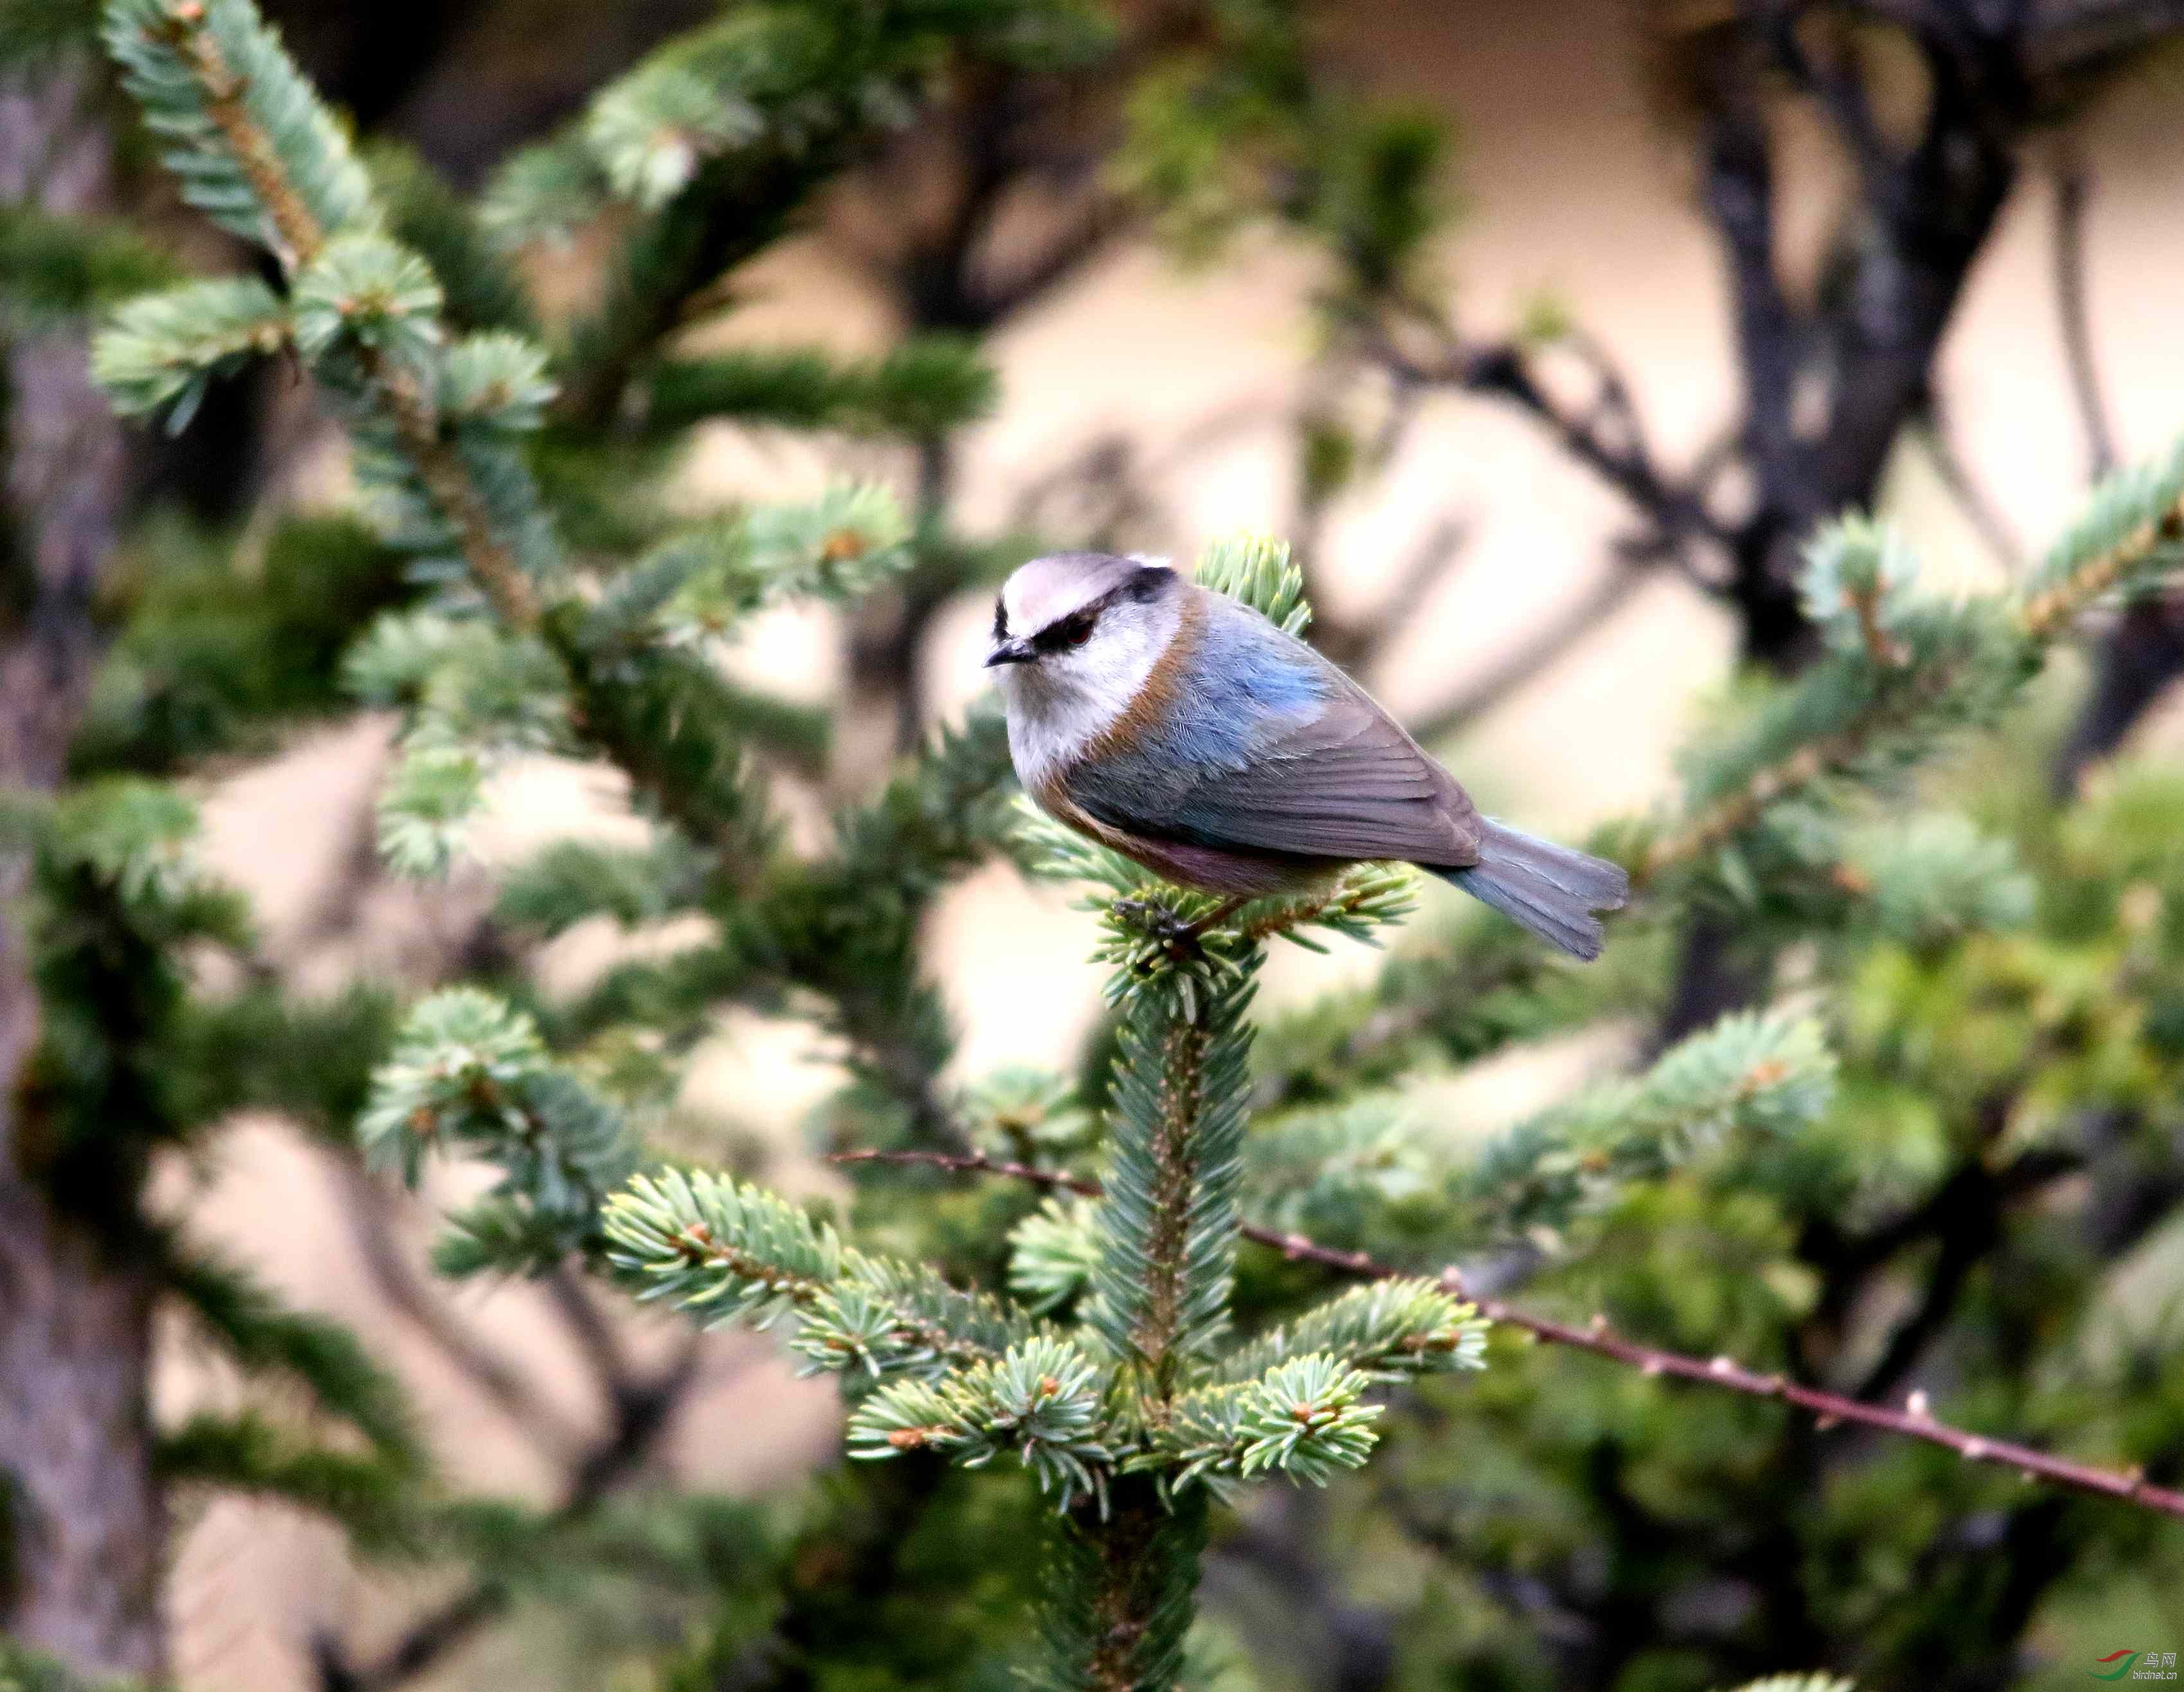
(1552, 890)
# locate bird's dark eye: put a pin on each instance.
(1068, 633)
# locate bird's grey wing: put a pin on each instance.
(1345, 784)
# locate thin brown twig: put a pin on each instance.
(974, 1163)
(1609, 438)
(1914, 1421)
(1436, 552)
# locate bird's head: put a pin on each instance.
(1080, 631)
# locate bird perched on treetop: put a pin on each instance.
(1190, 733)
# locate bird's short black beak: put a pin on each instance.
(1010, 652)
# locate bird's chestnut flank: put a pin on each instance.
(1187, 733)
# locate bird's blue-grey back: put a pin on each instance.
(1254, 742)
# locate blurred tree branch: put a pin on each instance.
(1014, 158)
(641, 1406)
(2068, 242)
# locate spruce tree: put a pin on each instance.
(1222, 1259)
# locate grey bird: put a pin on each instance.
(1190, 733)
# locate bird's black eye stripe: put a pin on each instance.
(1001, 618)
(1074, 630)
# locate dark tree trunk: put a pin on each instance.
(80, 1563)
(1865, 348)
(86, 1526)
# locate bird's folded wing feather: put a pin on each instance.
(1347, 784)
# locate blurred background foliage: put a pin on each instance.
(1972, 884)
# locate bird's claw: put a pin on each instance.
(1183, 941)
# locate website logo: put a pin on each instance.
(2137, 1664)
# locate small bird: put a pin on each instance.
(1190, 733)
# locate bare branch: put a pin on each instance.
(1522, 663)
(2072, 188)
(1606, 438)
(2138, 659)
(642, 1415)
(438, 465)
(1435, 554)
(594, 1335)
(1357, 643)
(1980, 511)
(1101, 224)
(371, 1225)
(2093, 36)
(1841, 93)
(1915, 1421)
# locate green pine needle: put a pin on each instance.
(1386, 1330)
(1255, 570)
(1304, 1419)
(163, 350)
(1750, 1073)
(1044, 1399)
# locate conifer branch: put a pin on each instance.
(725, 1251)
(440, 467)
(285, 160)
(1044, 1398)
(2130, 532)
(1912, 671)
(364, 1492)
(469, 1073)
(264, 1338)
(1769, 1075)
(924, 387)
(163, 350)
(1391, 1330)
(53, 268)
(1167, 1224)
(1914, 1421)
(1125, 1587)
(1306, 1417)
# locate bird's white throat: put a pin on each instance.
(1059, 705)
